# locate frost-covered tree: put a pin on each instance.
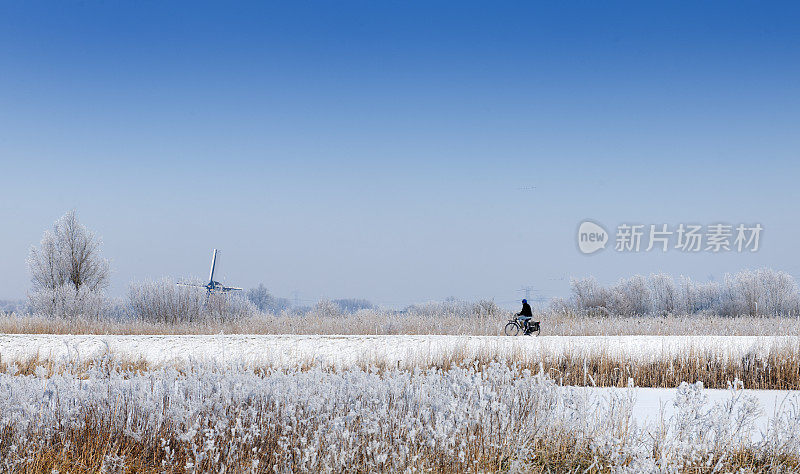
(631, 296)
(759, 292)
(351, 305)
(265, 301)
(327, 309)
(68, 272)
(487, 309)
(589, 296)
(663, 294)
(763, 292)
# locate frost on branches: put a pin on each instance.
(68, 273)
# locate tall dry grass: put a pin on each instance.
(368, 322)
(94, 448)
(779, 369)
(493, 419)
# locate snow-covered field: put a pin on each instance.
(290, 351)
(311, 403)
(498, 418)
(346, 351)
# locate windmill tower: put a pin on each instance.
(212, 286)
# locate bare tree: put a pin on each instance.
(67, 270)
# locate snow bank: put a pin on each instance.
(345, 351)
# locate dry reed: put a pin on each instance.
(367, 322)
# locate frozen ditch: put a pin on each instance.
(653, 406)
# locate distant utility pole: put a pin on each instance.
(296, 299)
(527, 290)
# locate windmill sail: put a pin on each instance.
(213, 264)
(213, 286)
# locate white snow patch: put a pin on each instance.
(654, 407)
(344, 351)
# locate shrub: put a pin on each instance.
(66, 302)
(763, 292)
(164, 301)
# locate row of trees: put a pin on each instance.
(750, 292)
(70, 276)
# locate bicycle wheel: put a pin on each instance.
(512, 329)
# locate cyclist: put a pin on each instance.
(525, 315)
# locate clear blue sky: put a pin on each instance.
(383, 149)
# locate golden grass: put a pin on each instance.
(98, 447)
(378, 322)
(779, 370)
(85, 450)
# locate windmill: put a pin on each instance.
(212, 286)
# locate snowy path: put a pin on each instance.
(290, 350)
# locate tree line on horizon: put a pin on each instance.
(69, 277)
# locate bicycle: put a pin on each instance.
(514, 326)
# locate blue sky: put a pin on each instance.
(385, 149)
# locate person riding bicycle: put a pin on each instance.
(525, 315)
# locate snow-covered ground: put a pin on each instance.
(653, 429)
(651, 406)
(344, 351)
(218, 412)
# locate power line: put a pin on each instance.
(527, 290)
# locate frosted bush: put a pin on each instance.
(327, 309)
(663, 294)
(265, 302)
(453, 308)
(165, 302)
(759, 292)
(763, 292)
(69, 303)
(497, 418)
